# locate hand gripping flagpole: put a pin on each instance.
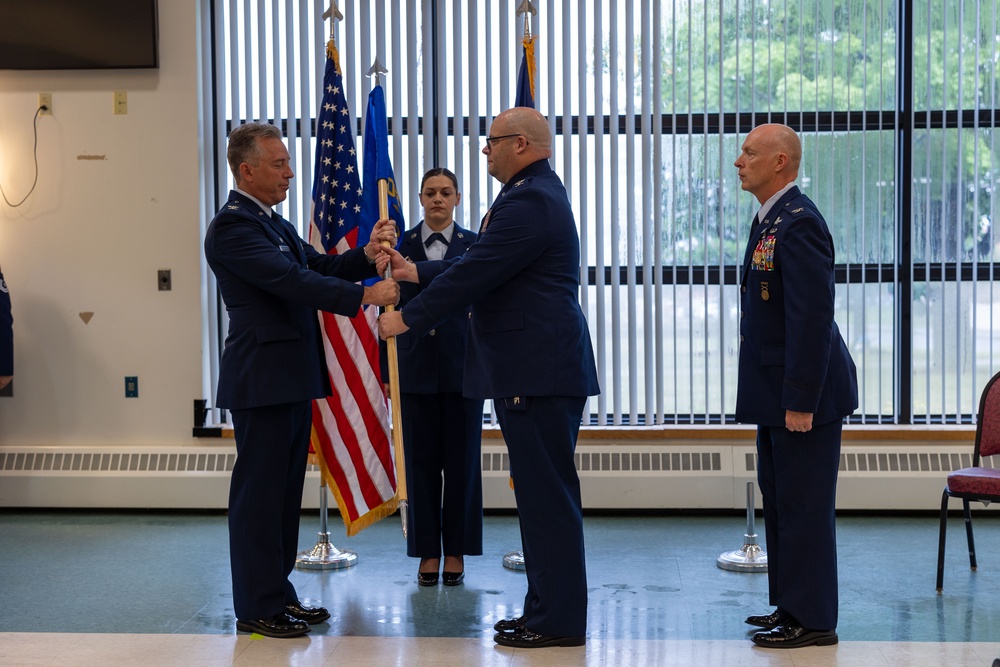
(325, 556)
(377, 70)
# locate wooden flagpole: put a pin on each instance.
(393, 363)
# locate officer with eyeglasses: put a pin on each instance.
(529, 350)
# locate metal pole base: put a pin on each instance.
(514, 560)
(751, 558)
(325, 556)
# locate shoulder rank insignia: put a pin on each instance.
(233, 207)
(520, 182)
(799, 210)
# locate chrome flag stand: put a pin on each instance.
(751, 558)
(324, 556)
(514, 560)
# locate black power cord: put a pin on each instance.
(35, 151)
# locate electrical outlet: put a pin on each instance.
(163, 279)
(121, 103)
(45, 104)
(131, 386)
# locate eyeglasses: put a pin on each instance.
(492, 140)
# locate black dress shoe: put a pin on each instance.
(510, 625)
(427, 578)
(528, 639)
(280, 625)
(772, 620)
(453, 578)
(793, 635)
(311, 615)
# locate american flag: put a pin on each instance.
(351, 427)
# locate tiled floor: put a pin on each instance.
(153, 589)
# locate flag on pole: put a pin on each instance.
(377, 165)
(350, 437)
(525, 96)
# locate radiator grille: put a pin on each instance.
(109, 462)
(492, 461)
(624, 461)
(942, 462)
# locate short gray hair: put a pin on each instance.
(244, 146)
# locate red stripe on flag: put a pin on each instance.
(355, 385)
(370, 341)
(333, 466)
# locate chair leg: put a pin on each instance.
(941, 538)
(968, 533)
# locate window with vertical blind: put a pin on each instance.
(649, 101)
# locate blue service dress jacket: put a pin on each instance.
(430, 363)
(792, 356)
(527, 332)
(529, 345)
(272, 283)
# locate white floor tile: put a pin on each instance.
(81, 650)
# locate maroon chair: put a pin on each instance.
(975, 483)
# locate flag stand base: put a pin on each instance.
(749, 558)
(324, 556)
(514, 560)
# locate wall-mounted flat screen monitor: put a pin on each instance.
(78, 34)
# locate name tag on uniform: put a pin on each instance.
(284, 248)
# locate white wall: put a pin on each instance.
(92, 236)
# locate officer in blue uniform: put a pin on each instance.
(442, 430)
(272, 367)
(6, 336)
(797, 382)
(529, 350)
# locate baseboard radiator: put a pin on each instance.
(614, 476)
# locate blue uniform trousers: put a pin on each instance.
(541, 432)
(442, 435)
(265, 500)
(797, 473)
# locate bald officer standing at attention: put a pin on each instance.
(797, 382)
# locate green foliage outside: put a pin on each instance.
(821, 57)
